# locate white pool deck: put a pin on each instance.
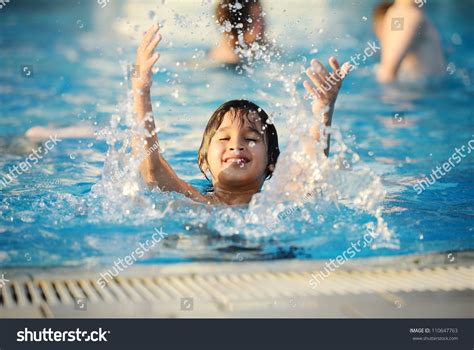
(415, 286)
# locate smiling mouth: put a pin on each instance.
(236, 160)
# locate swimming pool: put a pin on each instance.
(62, 64)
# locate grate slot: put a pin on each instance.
(7, 298)
(117, 291)
(183, 289)
(163, 283)
(234, 290)
(20, 293)
(49, 294)
(201, 292)
(63, 292)
(156, 289)
(220, 291)
(288, 289)
(104, 292)
(89, 290)
(139, 286)
(128, 289)
(75, 290)
(263, 283)
(242, 285)
(35, 296)
(260, 288)
(203, 282)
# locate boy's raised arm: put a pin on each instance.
(324, 87)
(154, 168)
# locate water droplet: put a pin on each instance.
(251, 144)
(80, 24)
(451, 68)
(152, 15)
(72, 156)
(421, 237)
(81, 210)
(456, 39)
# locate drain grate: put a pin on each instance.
(225, 288)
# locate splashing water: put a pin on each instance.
(309, 194)
(311, 207)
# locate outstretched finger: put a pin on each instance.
(150, 34)
(334, 64)
(152, 60)
(317, 79)
(311, 90)
(319, 68)
(153, 43)
(346, 68)
(339, 71)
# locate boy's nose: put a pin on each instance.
(236, 145)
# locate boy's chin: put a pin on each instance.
(236, 178)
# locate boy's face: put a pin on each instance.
(237, 155)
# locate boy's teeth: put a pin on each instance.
(236, 160)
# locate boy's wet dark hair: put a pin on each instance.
(241, 109)
(241, 16)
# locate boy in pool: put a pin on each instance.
(239, 148)
(410, 44)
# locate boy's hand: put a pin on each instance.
(146, 58)
(325, 86)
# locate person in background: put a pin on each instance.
(242, 24)
(410, 44)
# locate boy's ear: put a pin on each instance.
(204, 166)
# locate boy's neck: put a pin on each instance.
(234, 197)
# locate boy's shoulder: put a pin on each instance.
(401, 20)
(406, 13)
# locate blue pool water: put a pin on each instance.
(82, 204)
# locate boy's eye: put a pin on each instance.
(224, 139)
(251, 140)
